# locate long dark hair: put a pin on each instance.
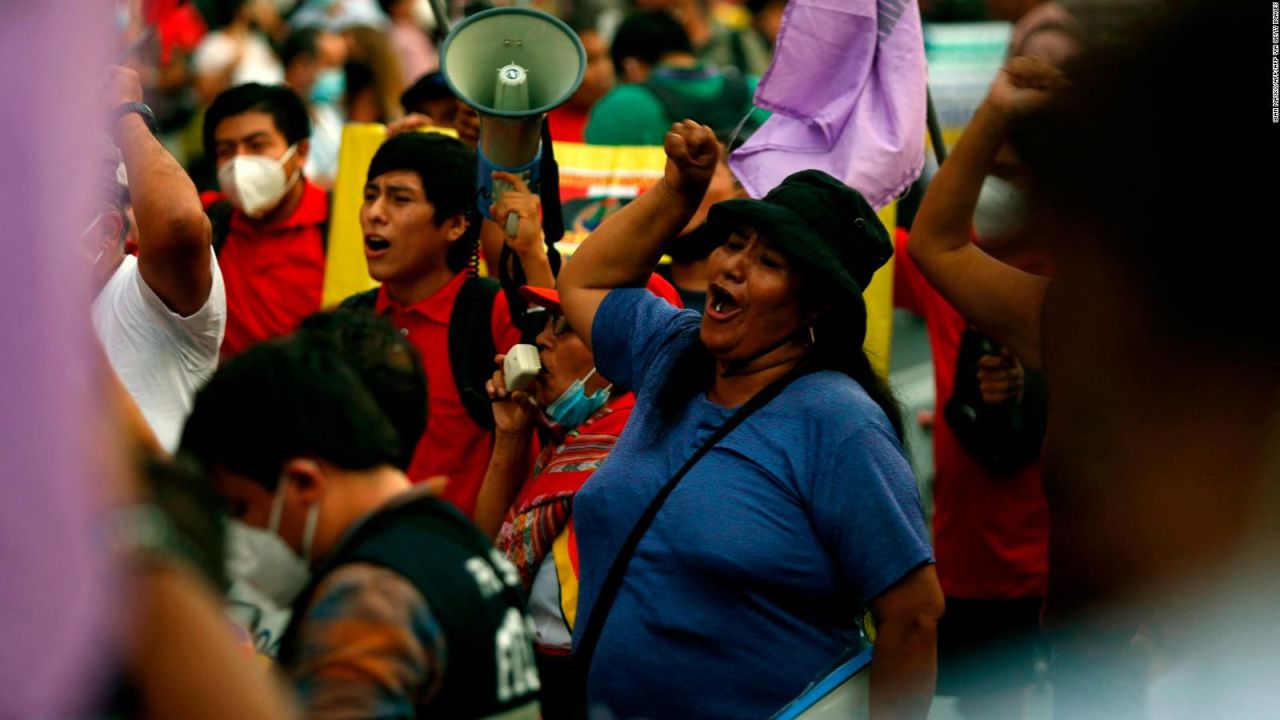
(838, 332)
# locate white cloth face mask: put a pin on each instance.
(256, 183)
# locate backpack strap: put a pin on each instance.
(220, 219)
(367, 300)
(471, 346)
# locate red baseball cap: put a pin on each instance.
(550, 299)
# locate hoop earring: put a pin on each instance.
(813, 340)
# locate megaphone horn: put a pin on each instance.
(512, 65)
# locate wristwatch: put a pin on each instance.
(142, 109)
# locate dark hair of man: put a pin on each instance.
(447, 169)
(428, 88)
(284, 106)
(758, 6)
(301, 42)
(648, 36)
(220, 13)
(288, 398)
(388, 365)
(1134, 178)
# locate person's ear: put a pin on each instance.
(304, 481)
(633, 71)
(110, 232)
(300, 155)
(455, 226)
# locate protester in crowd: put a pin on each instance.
(714, 43)
(390, 369)
(161, 313)
(235, 52)
(312, 68)
(663, 81)
(990, 523)
(766, 19)
(527, 506)
(431, 97)
(1158, 355)
(413, 49)
(269, 221)
(421, 233)
(403, 609)
(817, 514)
(376, 98)
(689, 250)
(569, 121)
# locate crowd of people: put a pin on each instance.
(701, 500)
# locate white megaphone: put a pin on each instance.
(512, 65)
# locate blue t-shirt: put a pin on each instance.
(749, 582)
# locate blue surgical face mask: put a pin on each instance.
(329, 86)
(574, 405)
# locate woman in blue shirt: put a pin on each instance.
(754, 572)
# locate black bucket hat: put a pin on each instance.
(818, 220)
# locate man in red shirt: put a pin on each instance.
(421, 235)
(990, 534)
(269, 221)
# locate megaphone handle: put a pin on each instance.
(513, 224)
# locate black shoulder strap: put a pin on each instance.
(220, 219)
(613, 581)
(366, 300)
(471, 347)
(324, 224)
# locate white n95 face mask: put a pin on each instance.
(263, 560)
(256, 183)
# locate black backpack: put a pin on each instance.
(471, 347)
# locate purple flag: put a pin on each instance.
(847, 93)
(55, 591)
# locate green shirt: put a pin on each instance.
(632, 115)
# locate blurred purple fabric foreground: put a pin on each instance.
(53, 588)
(847, 93)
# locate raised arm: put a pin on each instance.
(623, 251)
(173, 232)
(1000, 300)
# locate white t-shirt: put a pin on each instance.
(161, 357)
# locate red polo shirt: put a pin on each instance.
(990, 533)
(274, 274)
(567, 124)
(453, 445)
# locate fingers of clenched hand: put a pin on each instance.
(513, 180)
(691, 144)
(1029, 71)
(496, 386)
